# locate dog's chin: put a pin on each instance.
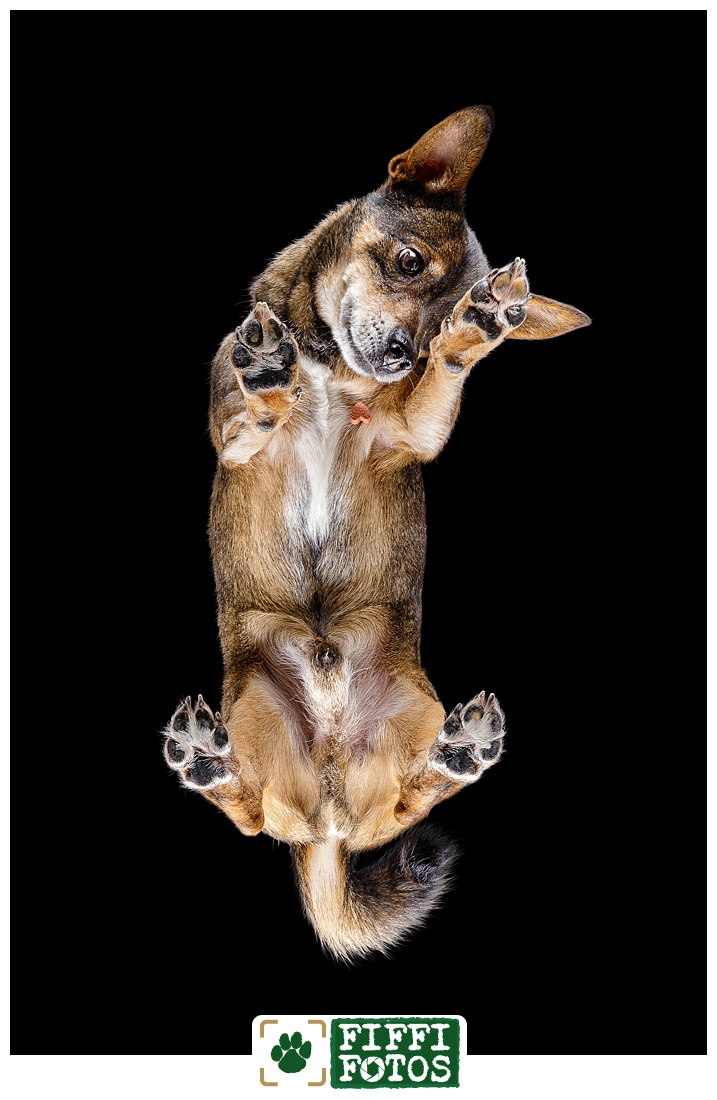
(382, 374)
(368, 369)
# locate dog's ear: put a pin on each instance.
(444, 159)
(545, 318)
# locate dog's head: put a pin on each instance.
(412, 254)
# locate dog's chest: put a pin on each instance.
(318, 488)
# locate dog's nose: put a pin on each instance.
(400, 351)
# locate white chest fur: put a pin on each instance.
(316, 498)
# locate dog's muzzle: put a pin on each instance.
(399, 354)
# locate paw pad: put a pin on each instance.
(291, 1053)
(498, 302)
(197, 745)
(265, 352)
(471, 739)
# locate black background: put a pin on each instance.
(158, 164)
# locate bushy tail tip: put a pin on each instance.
(361, 903)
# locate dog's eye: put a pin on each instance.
(410, 262)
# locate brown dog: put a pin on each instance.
(344, 378)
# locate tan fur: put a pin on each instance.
(337, 741)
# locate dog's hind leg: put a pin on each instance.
(254, 386)
(198, 748)
(470, 742)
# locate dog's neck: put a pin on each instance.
(291, 282)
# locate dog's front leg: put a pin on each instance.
(254, 386)
(480, 321)
(470, 741)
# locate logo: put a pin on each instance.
(403, 1052)
(296, 1053)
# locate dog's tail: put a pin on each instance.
(359, 907)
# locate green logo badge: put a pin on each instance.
(291, 1053)
(406, 1052)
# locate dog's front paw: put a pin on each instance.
(266, 353)
(471, 739)
(491, 309)
(497, 303)
(258, 386)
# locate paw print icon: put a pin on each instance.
(291, 1053)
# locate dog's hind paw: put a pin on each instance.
(199, 749)
(471, 739)
(197, 746)
(265, 354)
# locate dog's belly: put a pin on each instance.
(317, 534)
(357, 530)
